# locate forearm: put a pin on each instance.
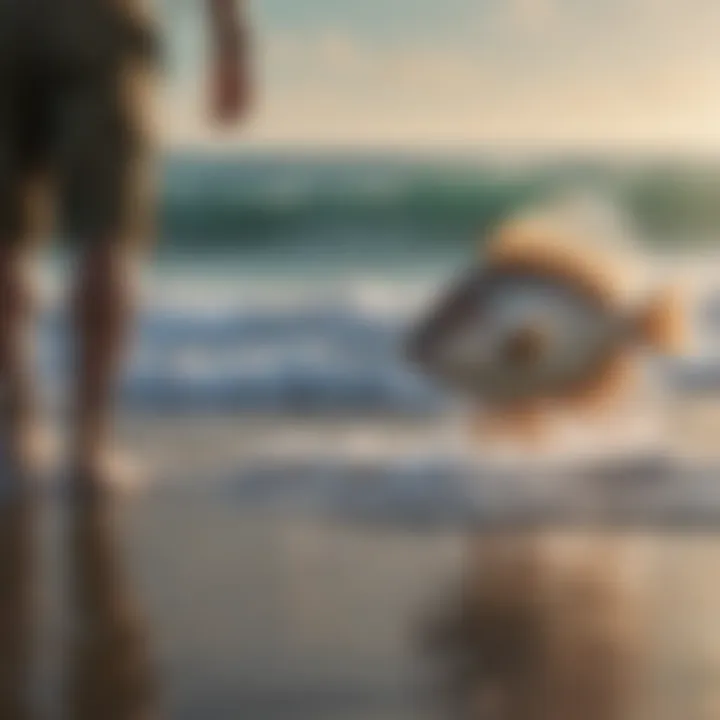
(229, 59)
(227, 24)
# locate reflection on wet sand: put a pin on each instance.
(109, 670)
(543, 627)
(17, 607)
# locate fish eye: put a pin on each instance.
(523, 347)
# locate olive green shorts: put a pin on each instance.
(75, 109)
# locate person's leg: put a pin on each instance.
(15, 312)
(26, 138)
(102, 312)
(20, 435)
(107, 202)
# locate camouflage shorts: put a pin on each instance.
(75, 95)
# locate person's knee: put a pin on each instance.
(17, 289)
(105, 282)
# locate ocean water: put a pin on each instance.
(366, 210)
(284, 284)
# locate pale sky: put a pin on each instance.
(449, 73)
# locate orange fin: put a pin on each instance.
(568, 259)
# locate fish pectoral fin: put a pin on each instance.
(662, 323)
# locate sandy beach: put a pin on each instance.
(241, 611)
(236, 609)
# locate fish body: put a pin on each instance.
(522, 335)
(545, 319)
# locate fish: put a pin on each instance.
(548, 317)
(555, 315)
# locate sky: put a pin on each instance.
(462, 73)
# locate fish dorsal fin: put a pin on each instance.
(580, 240)
(546, 249)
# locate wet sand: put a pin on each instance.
(234, 611)
(271, 617)
(231, 611)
